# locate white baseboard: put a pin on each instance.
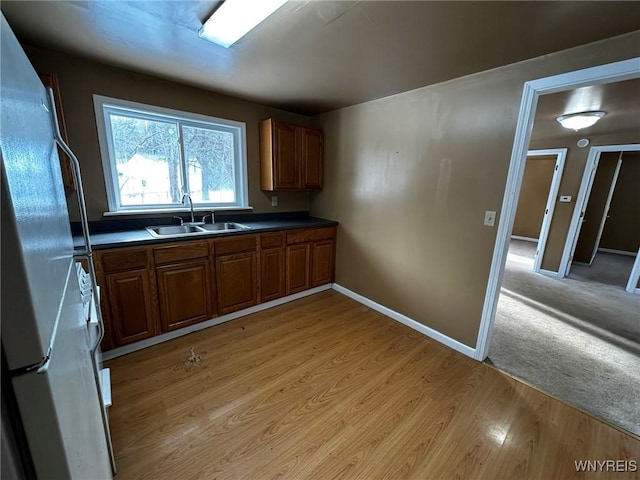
(429, 332)
(550, 273)
(134, 347)
(619, 252)
(526, 239)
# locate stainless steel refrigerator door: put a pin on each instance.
(37, 248)
(60, 406)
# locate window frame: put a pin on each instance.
(103, 106)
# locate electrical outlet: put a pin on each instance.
(274, 201)
(489, 218)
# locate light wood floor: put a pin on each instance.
(325, 388)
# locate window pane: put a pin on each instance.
(146, 160)
(210, 160)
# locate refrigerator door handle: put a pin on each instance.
(88, 254)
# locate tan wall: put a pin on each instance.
(534, 192)
(570, 185)
(79, 79)
(410, 176)
(622, 229)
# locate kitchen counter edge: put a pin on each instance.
(136, 237)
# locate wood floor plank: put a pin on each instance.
(325, 388)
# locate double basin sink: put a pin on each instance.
(188, 230)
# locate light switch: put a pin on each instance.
(565, 198)
(489, 218)
(274, 201)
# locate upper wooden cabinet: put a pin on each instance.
(290, 156)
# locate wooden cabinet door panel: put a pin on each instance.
(184, 294)
(322, 263)
(272, 274)
(297, 268)
(131, 311)
(312, 158)
(286, 157)
(236, 281)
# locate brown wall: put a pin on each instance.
(410, 176)
(79, 79)
(534, 192)
(622, 229)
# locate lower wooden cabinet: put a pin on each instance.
(297, 268)
(130, 308)
(310, 258)
(272, 266)
(185, 294)
(159, 288)
(322, 262)
(237, 281)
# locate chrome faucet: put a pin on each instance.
(212, 215)
(188, 197)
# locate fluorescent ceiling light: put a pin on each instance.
(578, 121)
(235, 18)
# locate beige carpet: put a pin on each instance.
(575, 338)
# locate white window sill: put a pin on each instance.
(173, 211)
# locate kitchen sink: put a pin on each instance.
(173, 230)
(189, 230)
(226, 226)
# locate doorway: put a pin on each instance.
(537, 199)
(610, 73)
(533, 310)
(588, 223)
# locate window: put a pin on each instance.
(151, 156)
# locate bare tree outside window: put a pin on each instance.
(209, 155)
(153, 155)
(147, 160)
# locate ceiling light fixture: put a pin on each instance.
(235, 18)
(578, 121)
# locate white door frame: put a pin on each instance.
(613, 72)
(583, 198)
(632, 284)
(607, 206)
(561, 156)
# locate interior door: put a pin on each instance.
(534, 193)
(597, 206)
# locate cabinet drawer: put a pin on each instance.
(241, 243)
(181, 251)
(118, 260)
(270, 240)
(310, 235)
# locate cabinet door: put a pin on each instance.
(312, 174)
(129, 302)
(286, 158)
(237, 282)
(297, 268)
(272, 274)
(185, 294)
(322, 262)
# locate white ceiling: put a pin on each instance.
(315, 56)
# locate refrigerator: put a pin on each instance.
(54, 415)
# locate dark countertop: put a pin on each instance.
(132, 233)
